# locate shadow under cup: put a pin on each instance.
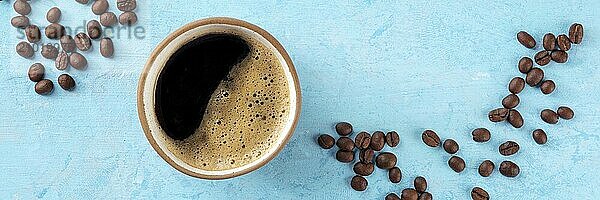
(208, 153)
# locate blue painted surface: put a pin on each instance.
(402, 65)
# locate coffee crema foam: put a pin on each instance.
(244, 117)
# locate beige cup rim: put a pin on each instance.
(223, 21)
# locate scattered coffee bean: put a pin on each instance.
(539, 136)
(576, 33)
(509, 169)
(549, 42)
(430, 138)
(36, 72)
(515, 119)
(128, 18)
(547, 86)
(77, 61)
(62, 61)
(508, 148)
(549, 116)
(395, 175)
(481, 135)
(565, 112)
(479, 194)
(526, 40)
(24, 49)
(359, 183)
(44, 87)
(563, 42)
(457, 164)
(82, 1)
(511, 101)
(409, 194)
(67, 43)
(559, 56)
(345, 144)
(420, 184)
(392, 196)
(49, 51)
(362, 140)
(543, 58)
(425, 196)
(343, 128)
(392, 139)
(450, 146)
(94, 29)
(33, 33)
(344, 156)
(516, 85)
(54, 31)
(363, 169)
(83, 42)
(53, 15)
(326, 141)
(366, 155)
(525, 64)
(108, 19)
(498, 115)
(386, 160)
(66, 82)
(534, 77)
(377, 141)
(99, 7)
(19, 22)
(486, 168)
(22, 7)
(126, 5)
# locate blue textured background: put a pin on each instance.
(402, 65)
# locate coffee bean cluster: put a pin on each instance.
(431, 139)
(419, 192)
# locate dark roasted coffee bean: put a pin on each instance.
(53, 15)
(426, 196)
(420, 184)
(345, 144)
(363, 169)
(534, 77)
(430, 138)
(509, 169)
(516, 85)
(36, 72)
(82, 1)
(62, 61)
(565, 112)
(344, 156)
(539, 136)
(24, 49)
(486, 168)
(547, 86)
(543, 57)
(457, 164)
(366, 155)
(392, 139)
(549, 116)
(66, 82)
(559, 56)
(108, 19)
(44, 87)
(392, 196)
(511, 101)
(126, 5)
(409, 194)
(450, 146)
(359, 183)
(77, 61)
(526, 40)
(67, 43)
(19, 22)
(94, 29)
(377, 141)
(128, 18)
(99, 7)
(22, 7)
(563, 42)
(508, 148)
(515, 119)
(362, 140)
(549, 41)
(54, 31)
(395, 175)
(49, 51)
(343, 128)
(326, 141)
(481, 135)
(525, 64)
(83, 42)
(386, 160)
(479, 194)
(33, 33)
(498, 115)
(576, 33)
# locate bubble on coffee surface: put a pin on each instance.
(244, 116)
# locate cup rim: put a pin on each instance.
(222, 21)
